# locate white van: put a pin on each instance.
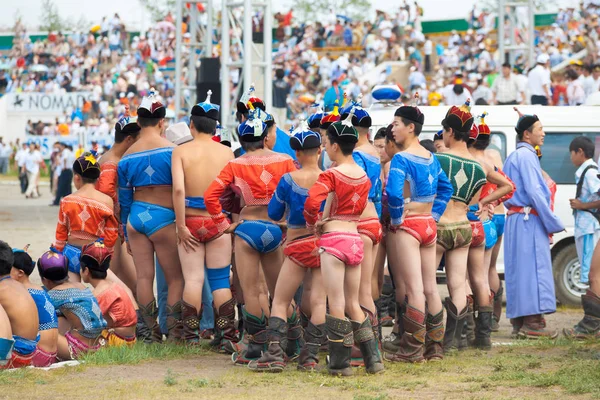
(561, 125)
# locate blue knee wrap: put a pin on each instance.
(218, 278)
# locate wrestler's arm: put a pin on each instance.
(125, 197)
(443, 194)
(533, 188)
(505, 186)
(62, 233)
(111, 231)
(509, 195)
(316, 195)
(107, 183)
(212, 197)
(278, 204)
(178, 188)
(395, 189)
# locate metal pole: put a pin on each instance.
(247, 44)
(268, 54)
(531, 38)
(178, 43)
(225, 87)
(193, 24)
(501, 12)
(208, 40)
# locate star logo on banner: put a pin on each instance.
(18, 102)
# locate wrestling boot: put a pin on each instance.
(413, 340)
(434, 338)
(468, 334)
(455, 322)
(340, 339)
(174, 322)
(226, 336)
(483, 328)
(191, 324)
(365, 336)
(497, 308)
(256, 331)
(295, 337)
(589, 326)
(149, 314)
(391, 343)
(309, 355)
(387, 302)
(517, 324)
(534, 327)
(357, 360)
(304, 320)
(274, 359)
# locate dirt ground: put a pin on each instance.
(510, 370)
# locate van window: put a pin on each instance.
(556, 160)
(498, 143)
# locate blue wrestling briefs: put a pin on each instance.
(262, 236)
(499, 220)
(73, 253)
(6, 347)
(491, 237)
(147, 218)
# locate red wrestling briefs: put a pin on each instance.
(370, 227)
(304, 251)
(422, 227)
(18, 360)
(345, 246)
(202, 228)
(42, 358)
(478, 234)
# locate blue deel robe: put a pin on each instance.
(527, 261)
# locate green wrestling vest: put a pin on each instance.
(466, 176)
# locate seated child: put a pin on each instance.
(21, 311)
(6, 340)
(77, 308)
(84, 216)
(45, 353)
(117, 308)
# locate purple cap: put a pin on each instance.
(53, 266)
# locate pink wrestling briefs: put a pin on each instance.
(304, 251)
(422, 227)
(78, 347)
(42, 358)
(370, 227)
(478, 234)
(345, 246)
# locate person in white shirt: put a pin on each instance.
(539, 81)
(592, 82)
(505, 89)
(5, 152)
(20, 165)
(33, 162)
(575, 92)
(65, 179)
(428, 50)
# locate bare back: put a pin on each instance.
(20, 308)
(5, 329)
(202, 160)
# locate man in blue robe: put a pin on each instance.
(527, 260)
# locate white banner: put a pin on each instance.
(47, 142)
(45, 102)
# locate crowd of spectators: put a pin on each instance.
(314, 62)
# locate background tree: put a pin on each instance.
(50, 19)
(158, 9)
(313, 10)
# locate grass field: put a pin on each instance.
(544, 369)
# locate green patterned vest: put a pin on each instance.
(466, 175)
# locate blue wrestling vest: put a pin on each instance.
(289, 198)
(372, 166)
(195, 202)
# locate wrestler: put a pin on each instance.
(117, 306)
(126, 133)
(84, 216)
(455, 233)
(145, 198)
(416, 173)
(346, 189)
(195, 165)
(391, 343)
(385, 288)
(21, 310)
(369, 227)
(80, 320)
(45, 352)
(6, 339)
(493, 226)
(254, 176)
(301, 253)
(438, 142)
(530, 222)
